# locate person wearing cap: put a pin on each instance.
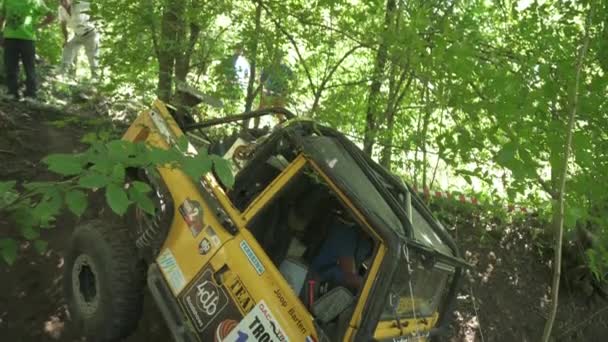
(19, 20)
(74, 15)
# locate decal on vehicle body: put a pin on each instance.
(293, 313)
(204, 300)
(240, 294)
(204, 247)
(223, 329)
(208, 307)
(192, 213)
(258, 325)
(215, 240)
(253, 259)
(173, 273)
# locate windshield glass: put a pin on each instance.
(350, 178)
(424, 233)
(428, 286)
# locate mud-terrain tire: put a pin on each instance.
(103, 281)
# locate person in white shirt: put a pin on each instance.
(75, 16)
(241, 67)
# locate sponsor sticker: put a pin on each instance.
(293, 313)
(215, 240)
(204, 247)
(173, 273)
(240, 294)
(204, 300)
(192, 213)
(223, 329)
(253, 259)
(258, 325)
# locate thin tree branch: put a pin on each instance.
(327, 77)
(346, 34)
(294, 44)
(562, 190)
(586, 321)
(347, 84)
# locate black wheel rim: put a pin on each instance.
(85, 284)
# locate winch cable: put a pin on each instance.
(476, 312)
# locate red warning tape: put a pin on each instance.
(426, 192)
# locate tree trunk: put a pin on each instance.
(182, 65)
(251, 89)
(425, 129)
(378, 77)
(558, 216)
(172, 20)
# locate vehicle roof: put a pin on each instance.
(364, 181)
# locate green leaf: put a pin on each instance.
(223, 171)
(49, 206)
(30, 233)
(117, 199)
(183, 143)
(142, 187)
(118, 173)
(76, 201)
(7, 186)
(506, 155)
(196, 167)
(32, 186)
(93, 180)
(8, 195)
(142, 201)
(23, 217)
(41, 246)
(89, 138)
(64, 164)
(8, 249)
(160, 157)
(120, 149)
(572, 214)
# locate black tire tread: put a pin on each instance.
(126, 280)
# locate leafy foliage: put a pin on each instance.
(102, 167)
(469, 94)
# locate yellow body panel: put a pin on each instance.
(241, 280)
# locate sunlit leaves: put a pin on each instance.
(222, 169)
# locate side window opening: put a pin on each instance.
(265, 164)
(310, 235)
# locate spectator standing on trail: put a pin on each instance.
(276, 80)
(241, 67)
(75, 16)
(19, 20)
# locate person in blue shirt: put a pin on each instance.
(342, 254)
(276, 82)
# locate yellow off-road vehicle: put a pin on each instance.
(243, 263)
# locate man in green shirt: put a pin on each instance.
(19, 20)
